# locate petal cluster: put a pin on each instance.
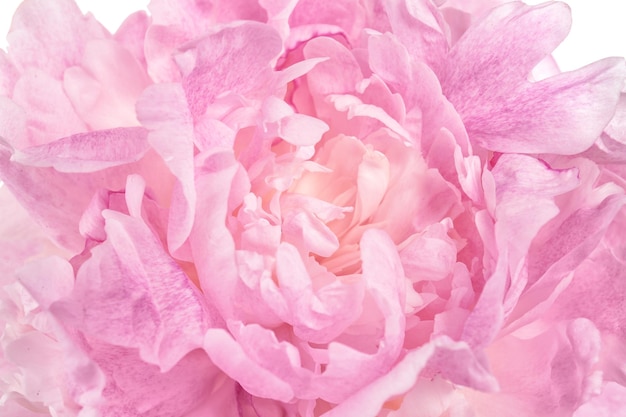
(306, 208)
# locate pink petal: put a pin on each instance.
(88, 152)
(49, 112)
(58, 284)
(525, 191)
(8, 75)
(133, 387)
(368, 401)
(50, 35)
(549, 376)
(229, 356)
(384, 279)
(563, 249)
(339, 74)
(519, 116)
(131, 293)
(163, 110)
(318, 315)
(344, 14)
(420, 28)
(131, 35)
(234, 60)
(106, 86)
(611, 402)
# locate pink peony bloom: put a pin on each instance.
(305, 208)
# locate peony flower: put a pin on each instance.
(269, 208)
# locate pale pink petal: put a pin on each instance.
(88, 152)
(344, 14)
(429, 256)
(309, 234)
(163, 110)
(229, 356)
(50, 114)
(384, 280)
(302, 130)
(610, 403)
(317, 315)
(339, 74)
(212, 244)
(104, 89)
(8, 75)
(368, 401)
(50, 35)
(525, 191)
(59, 281)
(428, 110)
(549, 376)
(13, 124)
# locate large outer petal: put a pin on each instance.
(486, 78)
(50, 35)
(132, 294)
(233, 60)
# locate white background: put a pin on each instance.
(599, 28)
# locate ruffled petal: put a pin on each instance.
(51, 35)
(519, 116)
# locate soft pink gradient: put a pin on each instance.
(301, 208)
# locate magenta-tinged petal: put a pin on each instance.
(50, 35)
(233, 60)
(88, 152)
(517, 115)
(158, 311)
(133, 387)
(597, 292)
